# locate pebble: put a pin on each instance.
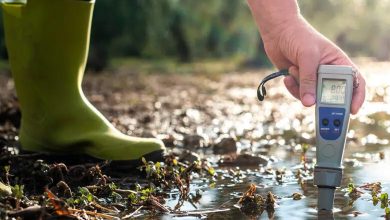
(194, 141)
(169, 140)
(244, 160)
(297, 196)
(226, 145)
(189, 156)
(352, 162)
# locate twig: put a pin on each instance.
(188, 213)
(153, 201)
(125, 191)
(27, 211)
(65, 187)
(98, 206)
(133, 213)
(224, 204)
(106, 216)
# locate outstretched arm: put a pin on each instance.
(292, 43)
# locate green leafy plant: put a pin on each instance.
(18, 192)
(83, 197)
(387, 213)
(384, 199)
(6, 170)
(140, 195)
(353, 191)
(351, 187)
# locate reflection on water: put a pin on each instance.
(226, 195)
(279, 132)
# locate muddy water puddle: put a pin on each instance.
(218, 200)
(285, 129)
(215, 117)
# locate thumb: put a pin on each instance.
(308, 65)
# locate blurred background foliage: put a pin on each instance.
(187, 31)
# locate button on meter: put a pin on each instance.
(336, 122)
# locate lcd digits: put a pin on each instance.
(333, 91)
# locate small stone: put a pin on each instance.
(148, 134)
(382, 155)
(226, 145)
(146, 119)
(244, 160)
(352, 162)
(297, 196)
(194, 141)
(169, 140)
(356, 213)
(189, 156)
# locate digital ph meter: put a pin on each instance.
(335, 84)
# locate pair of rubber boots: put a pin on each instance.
(47, 43)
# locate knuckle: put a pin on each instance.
(308, 82)
(308, 52)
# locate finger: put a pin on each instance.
(292, 86)
(359, 94)
(294, 72)
(308, 64)
(291, 81)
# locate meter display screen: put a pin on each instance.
(333, 91)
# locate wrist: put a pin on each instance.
(273, 16)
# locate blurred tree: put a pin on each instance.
(188, 30)
(118, 30)
(3, 50)
(179, 37)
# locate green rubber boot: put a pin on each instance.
(47, 42)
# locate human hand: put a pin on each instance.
(295, 45)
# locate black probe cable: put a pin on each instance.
(261, 92)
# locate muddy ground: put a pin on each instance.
(220, 139)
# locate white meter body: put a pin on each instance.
(334, 96)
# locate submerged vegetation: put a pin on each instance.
(253, 204)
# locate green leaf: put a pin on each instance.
(375, 200)
(351, 187)
(384, 200)
(211, 171)
(70, 201)
(18, 191)
(7, 169)
(5, 190)
(90, 197)
(305, 147)
(112, 186)
(144, 161)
